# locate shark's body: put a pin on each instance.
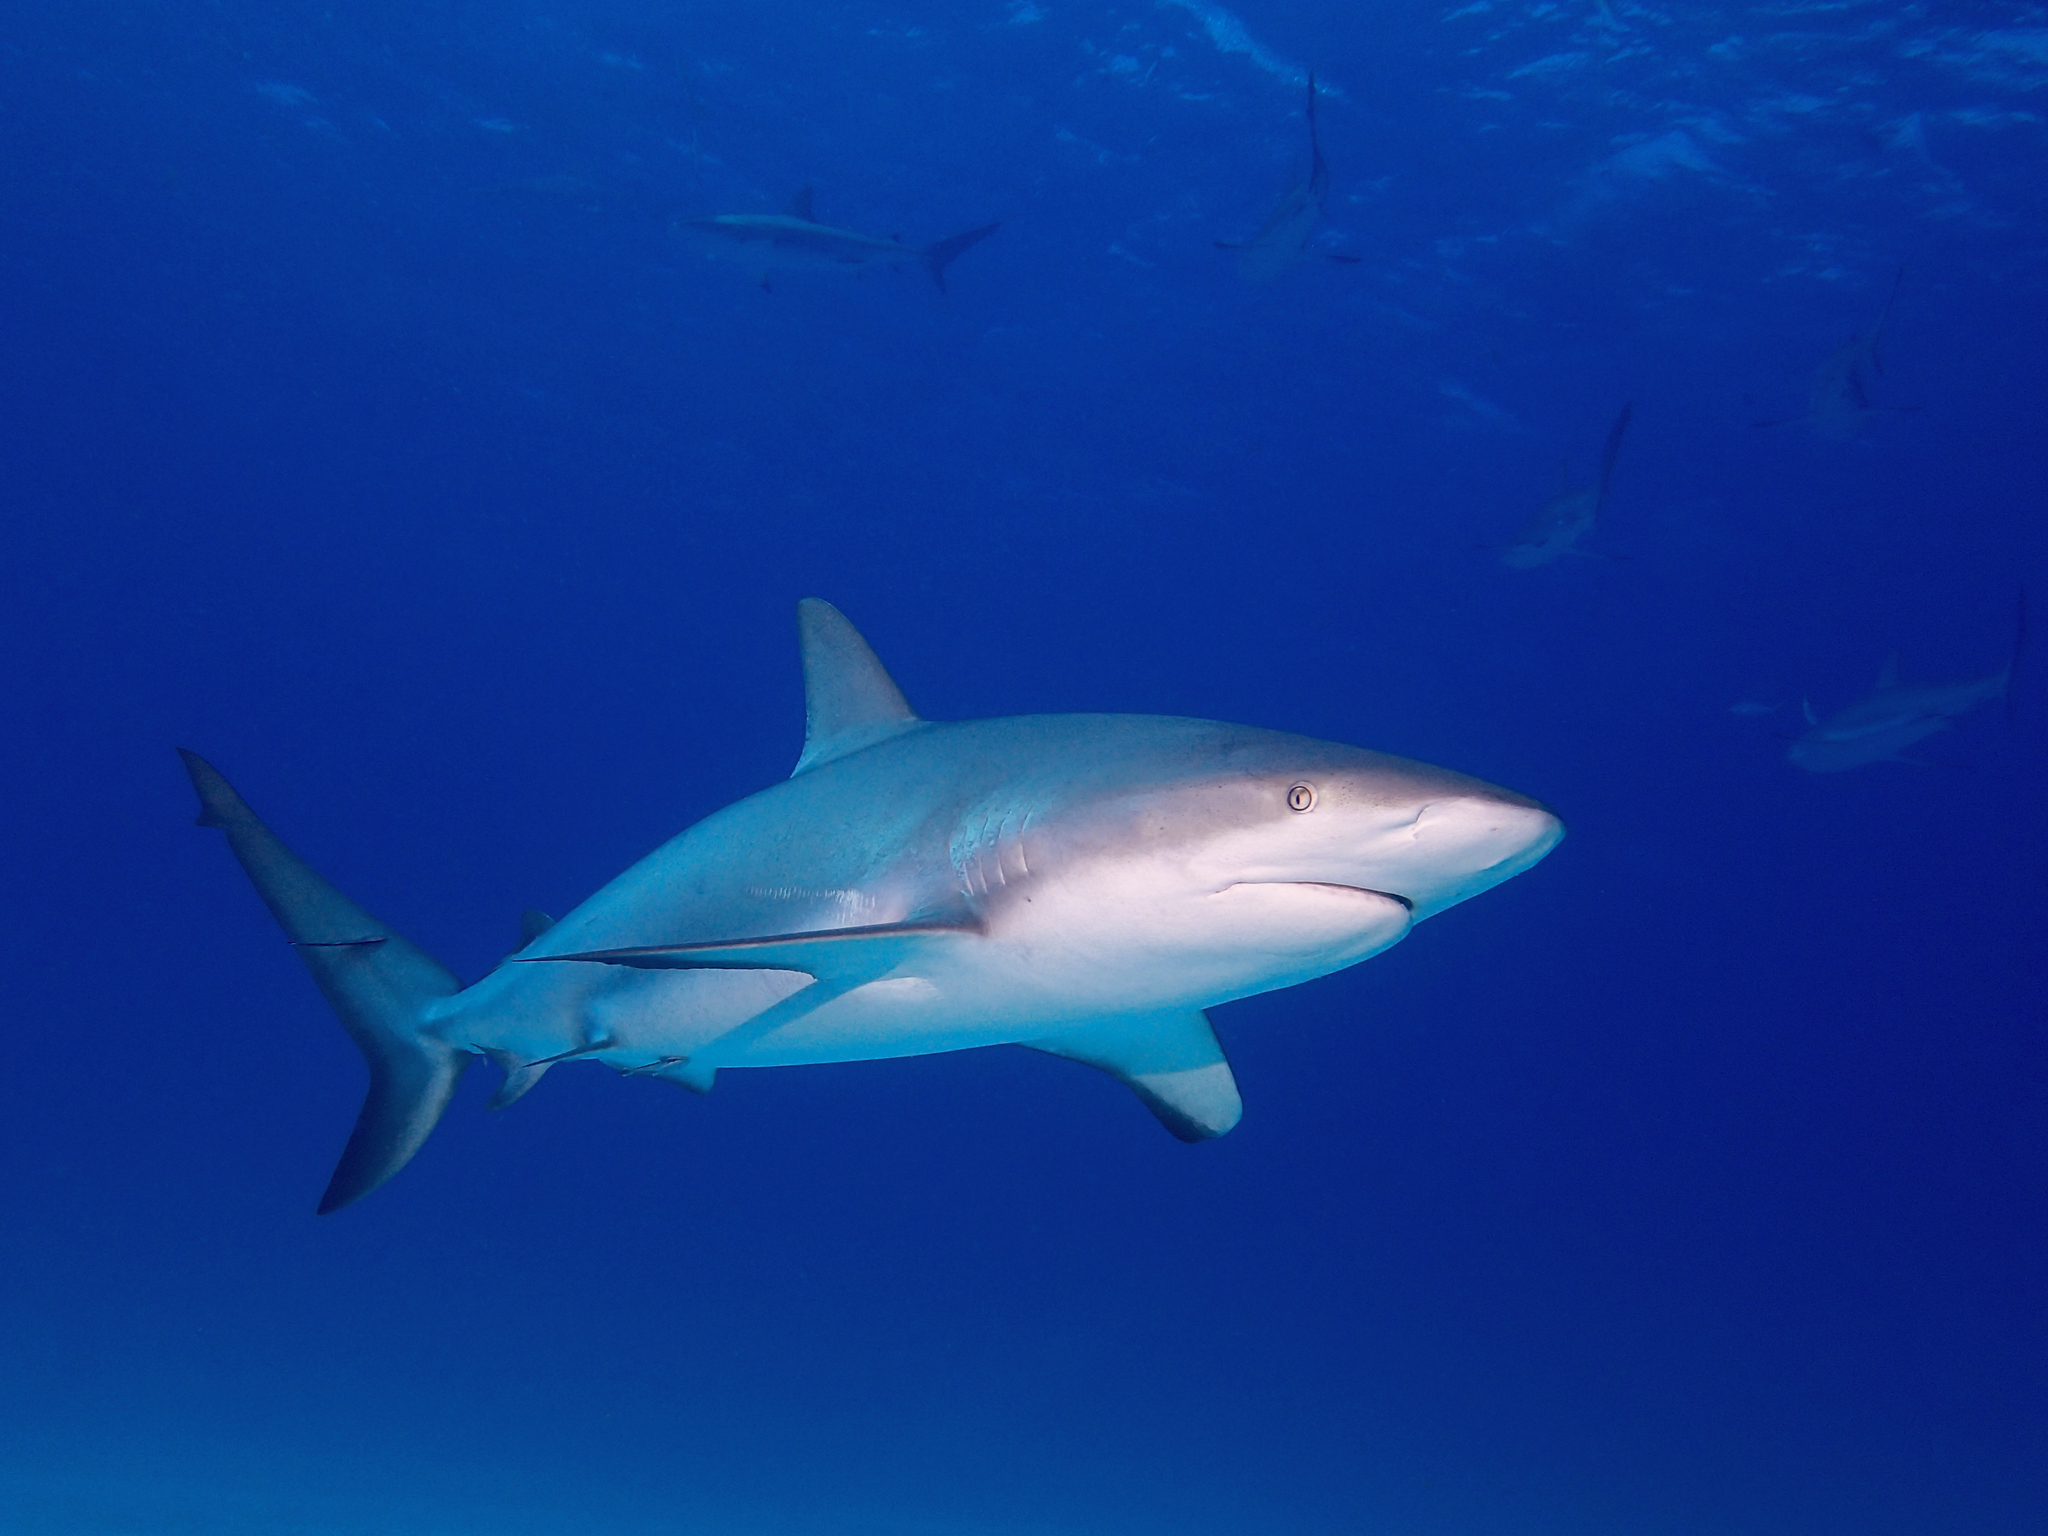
(1838, 400)
(1084, 884)
(766, 243)
(1284, 237)
(1894, 715)
(1556, 528)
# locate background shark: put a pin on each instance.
(766, 243)
(1083, 884)
(1894, 715)
(1838, 400)
(1285, 235)
(1556, 528)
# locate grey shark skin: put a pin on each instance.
(767, 243)
(1082, 884)
(1556, 528)
(1894, 716)
(1283, 238)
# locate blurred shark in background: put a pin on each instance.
(1556, 528)
(767, 243)
(1283, 238)
(1894, 715)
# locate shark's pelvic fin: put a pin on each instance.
(519, 1077)
(687, 1074)
(850, 702)
(800, 205)
(1172, 1061)
(379, 984)
(850, 955)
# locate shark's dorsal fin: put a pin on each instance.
(800, 205)
(850, 702)
(1172, 1061)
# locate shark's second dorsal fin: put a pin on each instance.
(850, 702)
(800, 205)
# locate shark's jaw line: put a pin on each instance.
(1327, 885)
(1082, 884)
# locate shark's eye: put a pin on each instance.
(1301, 798)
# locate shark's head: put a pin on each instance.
(1254, 858)
(1286, 810)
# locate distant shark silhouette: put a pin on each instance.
(1894, 715)
(1556, 528)
(792, 240)
(1085, 885)
(1284, 237)
(1838, 401)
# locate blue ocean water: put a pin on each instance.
(367, 425)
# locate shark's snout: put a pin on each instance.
(1472, 843)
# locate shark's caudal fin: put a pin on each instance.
(940, 254)
(850, 701)
(380, 985)
(1318, 170)
(1612, 451)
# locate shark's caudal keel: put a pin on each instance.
(1085, 885)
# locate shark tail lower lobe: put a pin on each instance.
(941, 253)
(379, 985)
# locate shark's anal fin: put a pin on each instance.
(844, 955)
(1172, 1061)
(850, 701)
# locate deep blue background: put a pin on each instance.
(363, 426)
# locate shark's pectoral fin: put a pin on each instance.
(1172, 1061)
(848, 956)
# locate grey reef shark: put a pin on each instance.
(1555, 529)
(1838, 401)
(1283, 239)
(1085, 885)
(767, 243)
(1893, 716)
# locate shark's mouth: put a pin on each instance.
(1330, 885)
